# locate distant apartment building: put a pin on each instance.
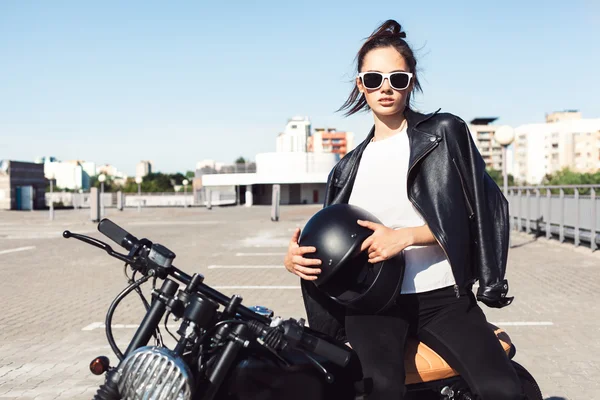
(329, 140)
(300, 165)
(295, 136)
(568, 141)
(72, 175)
(483, 135)
(557, 116)
(119, 178)
(143, 168)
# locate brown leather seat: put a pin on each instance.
(424, 365)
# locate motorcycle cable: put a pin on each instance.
(111, 311)
(167, 328)
(157, 335)
(212, 329)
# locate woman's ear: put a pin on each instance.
(359, 85)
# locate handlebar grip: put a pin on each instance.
(325, 349)
(117, 234)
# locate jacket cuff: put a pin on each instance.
(494, 295)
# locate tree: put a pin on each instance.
(567, 177)
(240, 160)
(497, 177)
(177, 178)
(190, 175)
(109, 184)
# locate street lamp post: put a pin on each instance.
(504, 136)
(138, 180)
(101, 179)
(51, 178)
(185, 183)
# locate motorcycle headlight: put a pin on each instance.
(154, 373)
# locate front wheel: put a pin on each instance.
(530, 387)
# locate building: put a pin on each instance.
(546, 148)
(483, 135)
(89, 170)
(301, 166)
(22, 185)
(295, 136)
(143, 168)
(302, 178)
(119, 178)
(563, 116)
(72, 175)
(329, 140)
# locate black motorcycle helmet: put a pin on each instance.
(346, 275)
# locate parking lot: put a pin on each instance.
(55, 293)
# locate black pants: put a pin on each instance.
(455, 328)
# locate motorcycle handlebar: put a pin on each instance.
(117, 234)
(293, 334)
(307, 341)
(125, 239)
(325, 349)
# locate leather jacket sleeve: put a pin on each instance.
(490, 227)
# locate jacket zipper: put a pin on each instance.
(462, 185)
(414, 203)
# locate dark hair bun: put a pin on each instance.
(389, 28)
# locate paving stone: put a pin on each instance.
(50, 293)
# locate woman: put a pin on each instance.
(423, 177)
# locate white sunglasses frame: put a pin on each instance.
(385, 76)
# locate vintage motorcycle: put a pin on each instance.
(225, 350)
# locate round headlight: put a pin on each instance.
(154, 373)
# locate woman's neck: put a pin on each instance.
(388, 125)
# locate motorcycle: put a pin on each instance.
(225, 350)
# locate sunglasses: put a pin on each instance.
(374, 80)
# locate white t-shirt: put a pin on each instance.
(381, 188)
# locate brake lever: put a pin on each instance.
(100, 244)
(328, 376)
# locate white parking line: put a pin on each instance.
(256, 287)
(100, 325)
(245, 266)
(158, 223)
(258, 254)
(17, 249)
(524, 323)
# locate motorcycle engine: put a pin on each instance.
(154, 373)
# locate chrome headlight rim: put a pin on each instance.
(149, 370)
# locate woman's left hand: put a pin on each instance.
(385, 242)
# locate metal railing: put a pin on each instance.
(564, 212)
(239, 168)
(150, 199)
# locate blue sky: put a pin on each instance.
(178, 82)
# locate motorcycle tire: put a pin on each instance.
(530, 386)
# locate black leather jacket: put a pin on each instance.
(463, 207)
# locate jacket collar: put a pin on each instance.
(420, 143)
(413, 118)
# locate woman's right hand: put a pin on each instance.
(298, 265)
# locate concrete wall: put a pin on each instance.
(5, 194)
(308, 193)
(290, 194)
(295, 163)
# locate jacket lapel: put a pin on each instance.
(420, 144)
